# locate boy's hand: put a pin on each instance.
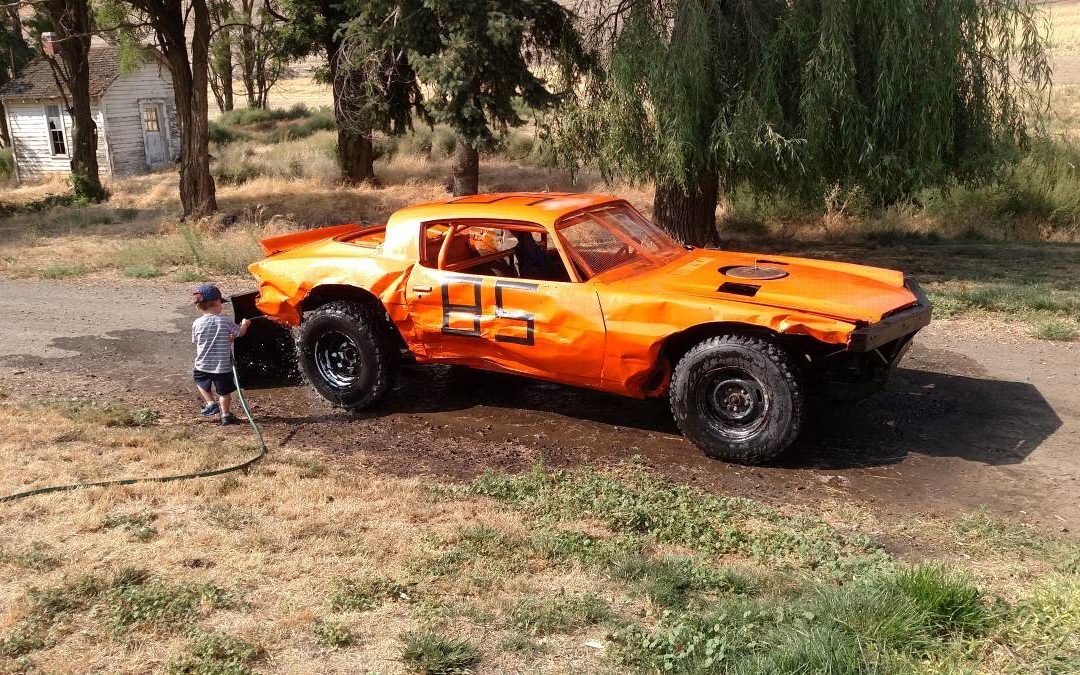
(244, 324)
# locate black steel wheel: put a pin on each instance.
(346, 353)
(737, 398)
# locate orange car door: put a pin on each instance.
(548, 329)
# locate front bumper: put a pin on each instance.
(904, 323)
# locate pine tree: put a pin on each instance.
(482, 59)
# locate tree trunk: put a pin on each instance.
(690, 218)
(356, 149)
(197, 194)
(5, 137)
(71, 22)
(248, 51)
(466, 168)
(221, 75)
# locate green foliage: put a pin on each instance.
(951, 605)
(875, 624)
(1008, 298)
(1056, 331)
(332, 634)
(148, 602)
(634, 501)
(87, 188)
(138, 525)
(65, 270)
(130, 600)
(7, 164)
(216, 654)
(219, 134)
(38, 558)
(430, 653)
(885, 96)
(559, 614)
(188, 275)
(142, 271)
(366, 594)
(250, 116)
(106, 414)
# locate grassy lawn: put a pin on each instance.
(305, 564)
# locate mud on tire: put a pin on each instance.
(346, 353)
(737, 398)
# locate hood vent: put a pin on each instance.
(749, 290)
(755, 272)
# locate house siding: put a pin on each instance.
(149, 82)
(30, 140)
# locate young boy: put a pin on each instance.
(212, 335)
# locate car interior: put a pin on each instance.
(493, 249)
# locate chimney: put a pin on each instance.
(48, 44)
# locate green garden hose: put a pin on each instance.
(163, 479)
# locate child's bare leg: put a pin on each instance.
(207, 396)
(225, 402)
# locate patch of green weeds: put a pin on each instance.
(1013, 299)
(500, 552)
(142, 271)
(188, 275)
(65, 270)
(38, 557)
(366, 594)
(332, 634)
(138, 525)
(1057, 331)
(106, 414)
(216, 654)
(559, 614)
(632, 500)
(876, 624)
(431, 653)
(151, 602)
(309, 467)
(675, 580)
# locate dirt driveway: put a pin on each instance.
(974, 417)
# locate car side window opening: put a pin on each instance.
(56, 130)
(495, 249)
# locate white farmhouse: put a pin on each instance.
(134, 111)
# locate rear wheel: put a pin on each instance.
(737, 398)
(346, 353)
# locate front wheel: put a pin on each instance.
(737, 398)
(346, 353)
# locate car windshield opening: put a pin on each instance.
(602, 239)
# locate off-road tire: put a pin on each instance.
(363, 330)
(763, 374)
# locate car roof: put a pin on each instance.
(542, 208)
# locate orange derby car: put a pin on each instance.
(583, 290)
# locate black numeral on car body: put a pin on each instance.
(476, 309)
(516, 314)
(448, 307)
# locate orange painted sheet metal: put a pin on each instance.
(614, 287)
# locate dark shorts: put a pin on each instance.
(222, 382)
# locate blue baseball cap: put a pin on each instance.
(207, 293)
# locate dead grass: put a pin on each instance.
(343, 570)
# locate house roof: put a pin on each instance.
(37, 82)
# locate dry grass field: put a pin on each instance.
(308, 562)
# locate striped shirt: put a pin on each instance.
(211, 334)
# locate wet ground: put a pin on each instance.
(972, 418)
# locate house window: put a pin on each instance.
(150, 118)
(56, 130)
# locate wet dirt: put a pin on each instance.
(972, 418)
